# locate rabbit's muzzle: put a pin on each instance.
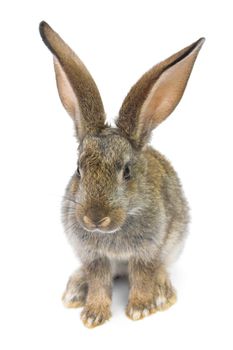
(99, 219)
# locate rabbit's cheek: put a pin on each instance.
(74, 186)
(118, 217)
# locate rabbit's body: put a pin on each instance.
(124, 211)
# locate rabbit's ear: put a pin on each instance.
(77, 90)
(156, 95)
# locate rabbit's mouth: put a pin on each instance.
(97, 230)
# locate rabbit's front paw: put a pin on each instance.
(143, 304)
(95, 315)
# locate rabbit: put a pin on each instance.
(124, 210)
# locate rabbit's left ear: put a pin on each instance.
(156, 95)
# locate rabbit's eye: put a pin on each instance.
(126, 173)
(78, 172)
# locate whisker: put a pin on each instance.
(67, 211)
(68, 208)
(69, 199)
(71, 215)
(72, 200)
(71, 226)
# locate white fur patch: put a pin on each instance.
(161, 300)
(145, 312)
(90, 321)
(135, 314)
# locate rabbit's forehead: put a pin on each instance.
(107, 147)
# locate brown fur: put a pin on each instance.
(91, 116)
(148, 284)
(98, 302)
(124, 210)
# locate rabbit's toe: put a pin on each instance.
(73, 300)
(165, 297)
(95, 316)
(137, 311)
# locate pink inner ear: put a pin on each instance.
(66, 93)
(166, 93)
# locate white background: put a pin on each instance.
(118, 41)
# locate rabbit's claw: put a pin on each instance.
(95, 316)
(138, 311)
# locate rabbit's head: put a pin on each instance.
(111, 170)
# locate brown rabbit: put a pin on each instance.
(124, 211)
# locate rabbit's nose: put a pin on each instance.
(104, 222)
(89, 223)
(94, 223)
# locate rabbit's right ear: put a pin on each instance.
(77, 89)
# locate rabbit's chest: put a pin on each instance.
(119, 248)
